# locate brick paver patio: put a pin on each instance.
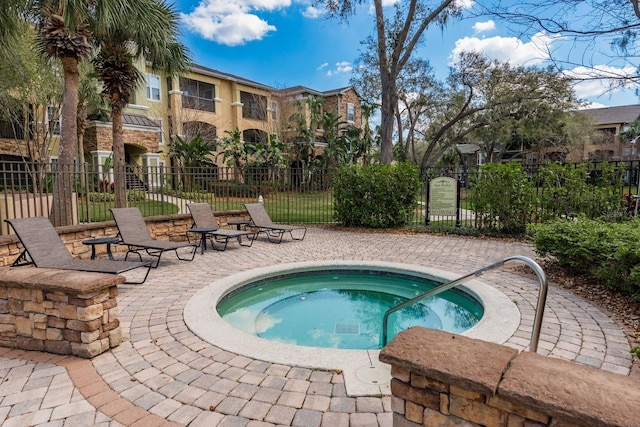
(163, 374)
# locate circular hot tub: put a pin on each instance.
(344, 308)
(363, 373)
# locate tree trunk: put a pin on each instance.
(62, 209)
(81, 122)
(387, 118)
(119, 167)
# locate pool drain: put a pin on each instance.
(347, 328)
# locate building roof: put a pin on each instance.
(219, 74)
(136, 120)
(468, 148)
(338, 91)
(293, 90)
(301, 90)
(614, 115)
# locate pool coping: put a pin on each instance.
(364, 374)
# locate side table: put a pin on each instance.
(101, 241)
(239, 224)
(203, 236)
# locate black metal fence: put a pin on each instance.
(290, 195)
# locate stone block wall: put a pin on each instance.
(61, 312)
(442, 379)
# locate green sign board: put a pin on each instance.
(443, 193)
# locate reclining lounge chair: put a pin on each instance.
(44, 249)
(261, 220)
(206, 224)
(133, 232)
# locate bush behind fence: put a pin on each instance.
(295, 195)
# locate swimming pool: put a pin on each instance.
(363, 373)
(338, 308)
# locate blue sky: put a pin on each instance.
(285, 43)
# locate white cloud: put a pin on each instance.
(464, 4)
(480, 27)
(385, 3)
(506, 49)
(341, 67)
(231, 22)
(312, 12)
(600, 79)
(323, 65)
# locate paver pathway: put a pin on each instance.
(165, 375)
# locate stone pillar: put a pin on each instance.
(58, 311)
(442, 379)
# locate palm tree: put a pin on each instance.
(307, 120)
(65, 30)
(64, 33)
(89, 100)
(154, 37)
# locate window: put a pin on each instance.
(351, 112)
(193, 129)
(53, 120)
(160, 132)
(198, 95)
(480, 158)
(255, 136)
(600, 155)
(555, 156)
(604, 136)
(274, 110)
(153, 87)
(254, 106)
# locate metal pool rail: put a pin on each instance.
(539, 312)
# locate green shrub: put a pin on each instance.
(165, 189)
(376, 196)
(607, 250)
(136, 195)
(236, 189)
(572, 190)
(503, 198)
(101, 197)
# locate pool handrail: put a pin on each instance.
(539, 312)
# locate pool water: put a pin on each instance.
(343, 308)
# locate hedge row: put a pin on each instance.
(609, 251)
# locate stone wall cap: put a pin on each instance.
(567, 389)
(450, 358)
(49, 279)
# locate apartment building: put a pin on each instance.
(605, 143)
(210, 103)
(204, 101)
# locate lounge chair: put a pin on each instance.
(260, 219)
(206, 224)
(133, 232)
(44, 249)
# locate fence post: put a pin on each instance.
(427, 215)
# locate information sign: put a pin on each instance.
(443, 196)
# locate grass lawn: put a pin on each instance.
(283, 207)
(294, 208)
